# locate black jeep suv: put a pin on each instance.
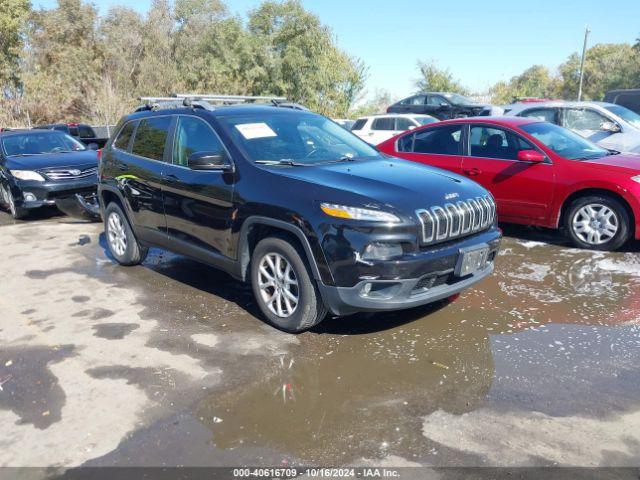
(316, 219)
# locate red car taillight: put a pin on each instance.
(99, 152)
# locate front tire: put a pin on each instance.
(7, 197)
(597, 222)
(284, 287)
(121, 241)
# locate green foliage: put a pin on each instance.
(536, 81)
(73, 65)
(378, 103)
(435, 79)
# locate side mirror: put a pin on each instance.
(209, 161)
(412, 127)
(610, 127)
(533, 156)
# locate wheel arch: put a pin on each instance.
(256, 228)
(584, 192)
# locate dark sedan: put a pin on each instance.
(39, 167)
(441, 105)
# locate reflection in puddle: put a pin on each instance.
(551, 325)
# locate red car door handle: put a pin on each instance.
(473, 172)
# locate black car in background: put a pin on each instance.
(80, 131)
(629, 98)
(441, 105)
(313, 217)
(39, 167)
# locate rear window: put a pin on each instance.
(360, 123)
(151, 137)
(384, 124)
(122, 142)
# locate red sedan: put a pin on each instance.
(539, 174)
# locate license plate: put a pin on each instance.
(471, 261)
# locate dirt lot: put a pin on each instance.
(168, 363)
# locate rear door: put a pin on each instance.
(523, 190)
(139, 166)
(382, 129)
(198, 203)
(551, 114)
(438, 146)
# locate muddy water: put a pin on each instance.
(554, 331)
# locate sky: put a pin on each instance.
(481, 42)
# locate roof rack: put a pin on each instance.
(206, 101)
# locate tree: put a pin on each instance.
(435, 79)
(301, 59)
(536, 81)
(378, 103)
(13, 17)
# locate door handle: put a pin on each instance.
(171, 178)
(472, 172)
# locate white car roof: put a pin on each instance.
(519, 107)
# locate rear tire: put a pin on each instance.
(16, 212)
(121, 241)
(283, 286)
(597, 222)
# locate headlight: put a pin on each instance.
(636, 178)
(27, 175)
(355, 213)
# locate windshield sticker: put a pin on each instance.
(255, 130)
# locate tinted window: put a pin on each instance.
(151, 137)
(40, 143)
(441, 140)
(404, 124)
(360, 123)
(582, 119)
(415, 100)
(437, 100)
(122, 142)
(544, 114)
(85, 131)
(193, 135)
(383, 124)
(496, 143)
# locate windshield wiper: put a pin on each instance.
(282, 161)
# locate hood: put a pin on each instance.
(625, 162)
(400, 184)
(53, 160)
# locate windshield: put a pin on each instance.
(564, 142)
(40, 143)
(624, 113)
(300, 137)
(458, 99)
(425, 120)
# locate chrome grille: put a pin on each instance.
(453, 220)
(69, 173)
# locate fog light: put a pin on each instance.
(382, 251)
(366, 288)
(29, 197)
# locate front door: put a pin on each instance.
(523, 190)
(589, 124)
(198, 203)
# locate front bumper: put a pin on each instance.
(31, 194)
(403, 294)
(412, 281)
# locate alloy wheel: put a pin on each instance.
(278, 285)
(595, 224)
(116, 234)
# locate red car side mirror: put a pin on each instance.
(531, 156)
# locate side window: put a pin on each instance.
(193, 135)
(122, 142)
(583, 119)
(440, 140)
(544, 114)
(403, 124)
(387, 123)
(415, 100)
(490, 142)
(436, 100)
(151, 137)
(85, 131)
(360, 123)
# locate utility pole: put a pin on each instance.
(584, 53)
